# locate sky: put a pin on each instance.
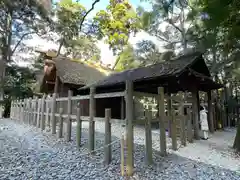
(106, 54)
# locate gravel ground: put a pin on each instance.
(27, 153)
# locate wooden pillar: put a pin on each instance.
(182, 120)
(129, 127)
(107, 140)
(92, 113)
(60, 132)
(11, 108)
(148, 138)
(169, 110)
(161, 112)
(35, 111)
(53, 111)
(210, 112)
(47, 118)
(195, 111)
(29, 111)
(79, 125)
(42, 121)
(24, 110)
(173, 130)
(189, 126)
(69, 120)
(38, 113)
(16, 109)
(32, 112)
(12, 104)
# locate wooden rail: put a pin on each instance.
(45, 112)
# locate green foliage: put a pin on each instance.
(18, 82)
(84, 48)
(126, 59)
(117, 23)
(69, 15)
(168, 22)
(147, 53)
(19, 19)
(17, 85)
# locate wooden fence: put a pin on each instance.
(45, 112)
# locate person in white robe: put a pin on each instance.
(204, 123)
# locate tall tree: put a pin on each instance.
(220, 17)
(84, 48)
(114, 24)
(172, 15)
(17, 84)
(19, 19)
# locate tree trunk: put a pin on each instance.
(236, 144)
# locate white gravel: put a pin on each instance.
(27, 153)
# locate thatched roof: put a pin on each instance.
(77, 73)
(161, 72)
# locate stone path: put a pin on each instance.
(27, 153)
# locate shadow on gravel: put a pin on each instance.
(170, 167)
(57, 159)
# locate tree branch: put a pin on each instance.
(81, 24)
(20, 40)
(170, 22)
(85, 15)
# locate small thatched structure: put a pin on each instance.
(183, 73)
(61, 74)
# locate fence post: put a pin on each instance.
(189, 126)
(92, 111)
(129, 128)
(47, 125)
(108, 147)
(38, 112)
(210, 112)
(161, 111)
(24, 110)
(182, 120)
(42, 121)
(53, 117)
(169, 110)
(173, 131)
(195, 111)
(79, 125)
(12, 109)
(47, 118)
(20, 110)
(148, 138)
(27, 111)
(17, 110)
(11, 112)
(35, 112)
(60, 132)
(30, 111)
(122, 156)
(69, 120)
